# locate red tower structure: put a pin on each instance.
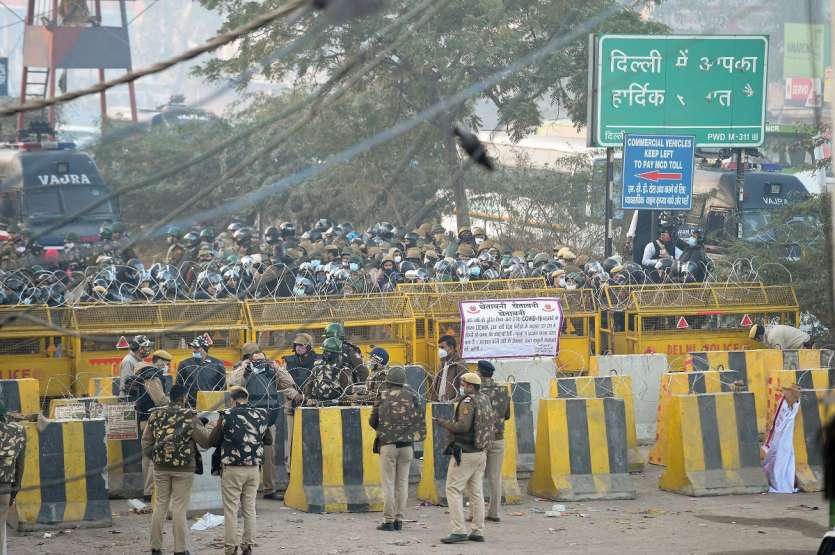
(67, 35)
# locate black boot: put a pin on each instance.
(398, 525)
(386, 526)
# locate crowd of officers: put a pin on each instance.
(262, 391)
(327, 259)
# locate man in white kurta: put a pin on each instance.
(779, 447)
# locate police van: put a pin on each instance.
(41, 183)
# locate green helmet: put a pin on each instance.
(336, 330)
(106, 232)
(396, 376)
(118, 227)
(332, 345)
(72, 237)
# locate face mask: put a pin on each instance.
(353, 266)
(479, 240)
(298, 292)
(571, 285)
(562, 283)
(442, 353)
(196, 356)
(397, 259)
(691, 241)
(475, 271)
(69, 245)
(259, 365)
(461, 391)
(315, 262)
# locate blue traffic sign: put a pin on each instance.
(658, 172)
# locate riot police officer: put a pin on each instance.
(201, 372)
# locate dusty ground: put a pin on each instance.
(655, 522)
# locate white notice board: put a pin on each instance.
(510, 328)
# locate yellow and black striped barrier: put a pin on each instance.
(124, 456)
(333, 468)
(432, 485)
(753, 367)
(521, 418)
(581, 450)
(816, 408)
(209, 401)
(682, 383)
(813, 378)
(65, 477)
(599, 387)
(21, 396)
(712, 446)
(103, 387)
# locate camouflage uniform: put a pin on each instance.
(328, 382)
(377, 382)
(499, 397)
(12, 454)
(242, 434)
(398, 418)
(170, 439)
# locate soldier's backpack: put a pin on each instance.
(172, 431)
(326, 385)
(484, 422)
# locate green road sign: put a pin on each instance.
(711, 87)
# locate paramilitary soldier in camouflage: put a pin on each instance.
(351, 354)
(472, 432)
(500, 401)
(329, 379)
(12, 458)
(241, 433)
(398, 419)
(171, 438)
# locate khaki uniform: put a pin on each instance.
(171, 437)
(500, 400)
(468, 475)
(399, 423)
(12, 459)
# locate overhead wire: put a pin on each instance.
(213, 44)
(427, 9)
(434, 110)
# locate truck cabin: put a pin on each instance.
(42, 183)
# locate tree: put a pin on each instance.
(800, 254)
(462, 43)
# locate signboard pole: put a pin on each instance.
(610, 186)
(740, 190)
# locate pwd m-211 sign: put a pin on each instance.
(711, 87)
(658, 172)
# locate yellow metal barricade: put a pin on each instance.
(578, 339)
(378, 320)
(677, 319)
(34, 343)
(170, 326)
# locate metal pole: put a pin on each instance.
(610, 178)
(740, 190)
(829, 190)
